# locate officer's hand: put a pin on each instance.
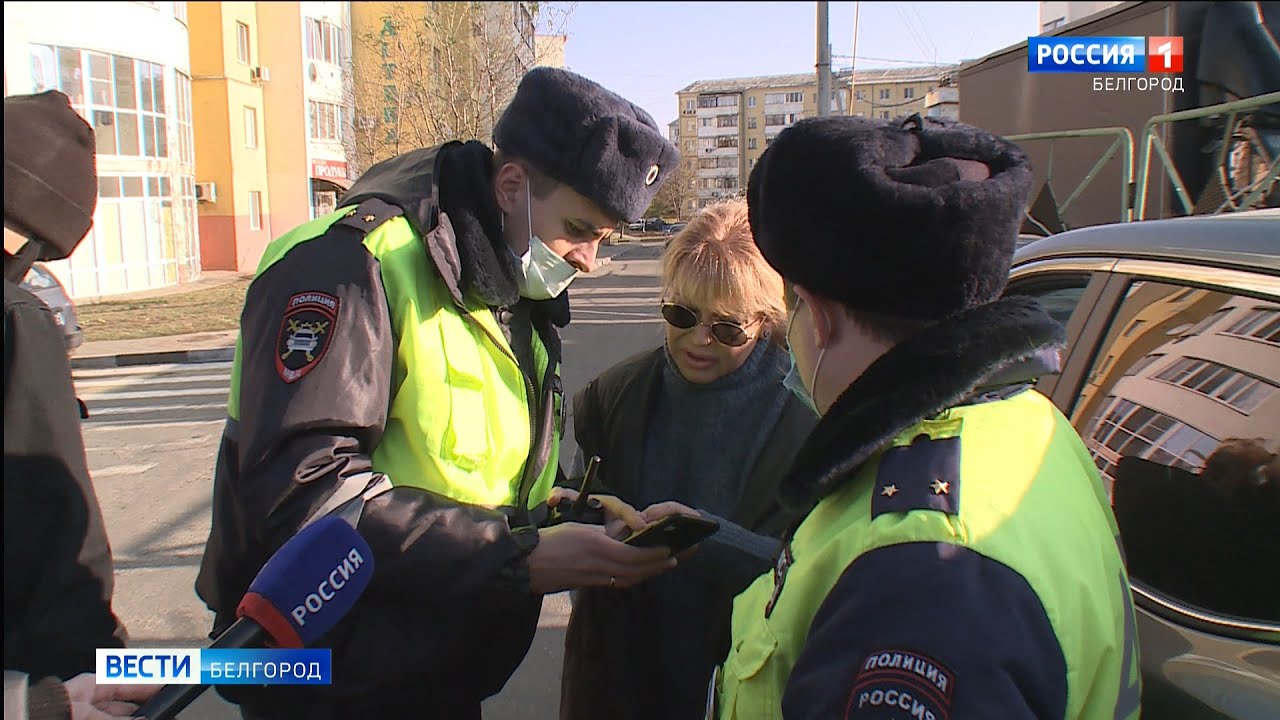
(91, 701)
(620, 519)
(573, 555)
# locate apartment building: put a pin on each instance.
(329, 102)
(126, 68)
(549, 50)
(725, 125)
(272, 85)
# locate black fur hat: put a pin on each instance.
(588, 138)
(914, 218)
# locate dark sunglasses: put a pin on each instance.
(725, 332)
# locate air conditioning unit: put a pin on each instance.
(260, 74)
(206, 192)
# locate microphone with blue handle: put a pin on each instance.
(310, 584)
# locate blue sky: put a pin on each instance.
(646, 51)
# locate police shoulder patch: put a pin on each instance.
(924, 475)
(897, 683)
(305, 332)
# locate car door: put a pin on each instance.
(1173, 382)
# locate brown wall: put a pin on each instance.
(227, 243)
(998, 94)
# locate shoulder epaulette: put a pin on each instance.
(924, 475)
(369, 214)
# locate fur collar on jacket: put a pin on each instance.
(1007, 342)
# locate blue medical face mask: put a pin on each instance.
(793, 381)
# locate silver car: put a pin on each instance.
(1171, 376)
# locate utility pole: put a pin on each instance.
(853, 64)
(824, 63)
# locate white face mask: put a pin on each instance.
(543, 274)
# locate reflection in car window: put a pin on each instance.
(1180, 412)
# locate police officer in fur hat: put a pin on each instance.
(399, 363)
(958, 557)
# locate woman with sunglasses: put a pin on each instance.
(702, 421)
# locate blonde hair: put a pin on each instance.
(714, 265)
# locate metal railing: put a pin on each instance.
(1252, 193)
(1123, 143)
(1134, 190)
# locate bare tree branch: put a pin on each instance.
(434, 72)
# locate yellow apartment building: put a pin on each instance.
(273, 119)
(725, 125)
(231, 156)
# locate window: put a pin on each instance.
(324, 41)
(121, 98)
(186, 139)
(751, 123)
(250, 127)
(1180, 426)
(1260, 324)
(908, 92)
(688, 106)
(706, 122)
(771, 120)
(727, 121)
(775, 98)
(862, 95)
(711, 101)
(751, 143)
(180, 12)
(717, 162)
(242, 42)
(727, 141)
(1238, 390)
(795, 97)
(886, 93)
(751, 101)
(1059, 294)
(1054, 24)
(884, 114)
(255, 210)
(325, 121)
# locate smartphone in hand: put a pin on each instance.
(676, 532)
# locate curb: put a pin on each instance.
(99, 362)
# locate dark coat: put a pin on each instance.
(57, 563)
(608, 646)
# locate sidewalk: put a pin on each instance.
(195, 347)
(220, 346)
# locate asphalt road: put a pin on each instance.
(152, 438)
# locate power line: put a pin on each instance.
(891, 60)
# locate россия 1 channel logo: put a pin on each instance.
(1104, 54)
